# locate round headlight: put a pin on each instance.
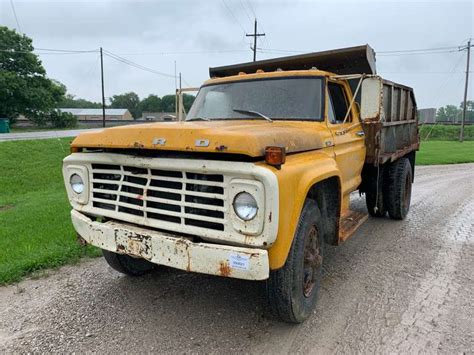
(76, 183)
(245, 206)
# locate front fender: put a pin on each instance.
(295, 178)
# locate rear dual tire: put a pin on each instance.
(392, 194)
(399, 181)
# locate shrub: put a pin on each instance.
(440, 132)
(60, 119)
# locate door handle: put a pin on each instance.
(360, 134)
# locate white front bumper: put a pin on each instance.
(173, 251)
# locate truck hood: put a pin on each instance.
(247, 137)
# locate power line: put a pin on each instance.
(251, 8)
(233, 16)
(245, 10)
(380, 54)
(43, 53)
(419, 50)
(16, 17)
(136, 65)
(442, 88)
(67, 50)
(186, 52)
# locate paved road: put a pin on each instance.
(395, 286)
(44, 134)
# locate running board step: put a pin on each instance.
(350, 222)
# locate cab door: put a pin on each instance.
(348, 136)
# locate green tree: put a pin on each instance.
(469, 110)
(24, 87)
(129, 100)
(448, 113)
(188, 101)
(168, 102)
(152, 103)
(69, 101)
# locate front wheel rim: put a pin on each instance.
(312, 261)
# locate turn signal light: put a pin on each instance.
(275, 156)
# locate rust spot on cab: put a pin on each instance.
(224, 269)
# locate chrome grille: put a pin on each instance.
(179, 197)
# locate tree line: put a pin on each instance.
(453, 113)
(25, 89)
(132, 102)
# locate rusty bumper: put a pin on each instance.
(173, 251)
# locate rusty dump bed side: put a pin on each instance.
(394, 132)
(351, 60)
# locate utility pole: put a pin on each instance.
(461, 136)
(102, 79)
(254, 35)
(180, 101)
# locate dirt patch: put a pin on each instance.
(6, 207)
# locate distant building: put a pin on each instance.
(95, 114)
(158, 116)
(427, 115)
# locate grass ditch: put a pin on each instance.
(440, 132)
(35, 225)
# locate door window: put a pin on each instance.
(337, 104)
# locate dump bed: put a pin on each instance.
(391, 131)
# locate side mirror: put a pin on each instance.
(371, 98)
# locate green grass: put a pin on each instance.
(446, 132)
(445, 152)
(35, 225)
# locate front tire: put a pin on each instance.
(126, 264)
(293, 289)
(400, 179)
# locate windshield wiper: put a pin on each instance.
(253, 112)
(199, 119)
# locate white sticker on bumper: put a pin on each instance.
(238, 261)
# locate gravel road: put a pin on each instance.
(395, 286)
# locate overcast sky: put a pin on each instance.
(198, 34)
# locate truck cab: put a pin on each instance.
(253, 182)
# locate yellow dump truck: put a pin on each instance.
(257, 177)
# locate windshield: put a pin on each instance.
(296, 98)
